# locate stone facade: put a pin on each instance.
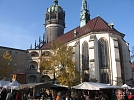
(18, 58)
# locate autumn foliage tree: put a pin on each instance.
(61, 64)
(6, 66)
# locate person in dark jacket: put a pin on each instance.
(3, 94)
(63, 96)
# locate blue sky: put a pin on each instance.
(21, 21)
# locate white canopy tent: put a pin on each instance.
(2, 83)
(94, 86)
(12, 85)
(126, 86)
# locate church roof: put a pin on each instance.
(95, 25)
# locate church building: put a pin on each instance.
(101, 53)
(99, 49)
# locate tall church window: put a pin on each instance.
(104, 78)
(85, 61)
(85, 56)
(103, 60)
(103, 53)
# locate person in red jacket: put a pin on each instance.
(18, 96)
(131, 96)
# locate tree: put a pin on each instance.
(60, 63)
(6, 66)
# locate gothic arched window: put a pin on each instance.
(32, 67)
(103, 53)
(105, 78)
(85, 61)
(85, 56)
(103, 61)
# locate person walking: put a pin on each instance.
(24, 97)
(9, 95)
(63, 96)
(58, 95)
(3, 94)
(18, 96)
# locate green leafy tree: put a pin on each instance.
(60, 63)
(6, 66)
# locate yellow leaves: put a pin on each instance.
(60, 62)
(45, 64)
(7, 56)
(6, 66)
(63, 56)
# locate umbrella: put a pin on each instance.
(94, 86)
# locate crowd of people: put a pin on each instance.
(119, 94)
(7, 94)
(43, 94)
(124, 95)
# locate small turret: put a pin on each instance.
(35, 44)
(111, 24)
(31, 46)
(43, 39)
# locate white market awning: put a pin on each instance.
(94, 86)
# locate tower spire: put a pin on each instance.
(55, 2)
(84, 4)
(84, 16)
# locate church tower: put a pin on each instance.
(84, 16)
(54, 22)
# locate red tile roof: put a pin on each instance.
(95, 25)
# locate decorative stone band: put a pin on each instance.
(54, 25)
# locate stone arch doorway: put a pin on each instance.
(32, 79)
(45, 78)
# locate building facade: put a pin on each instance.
(15, 58)
(101, 53)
